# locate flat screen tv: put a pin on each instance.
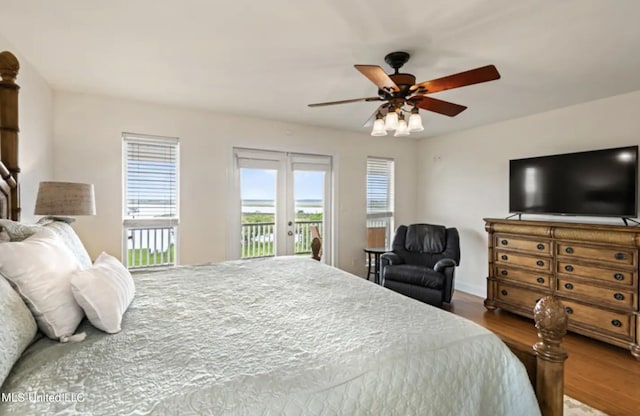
(595, 183)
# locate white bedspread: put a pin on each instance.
(284, 336)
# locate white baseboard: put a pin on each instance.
(478, 290)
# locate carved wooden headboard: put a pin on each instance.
(9, 168)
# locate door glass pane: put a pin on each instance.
(258, 194)
(309, 189)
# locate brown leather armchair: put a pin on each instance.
(422, 263)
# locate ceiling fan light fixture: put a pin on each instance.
(402, 129)
(415, 121)
(398, 90)
(378, 126)
(391, 120)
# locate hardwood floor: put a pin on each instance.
(598, 374)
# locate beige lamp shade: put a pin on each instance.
(65, 198)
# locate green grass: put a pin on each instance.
(253, 217)
(260, 249)
(141, 257)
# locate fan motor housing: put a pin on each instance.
(402, 80)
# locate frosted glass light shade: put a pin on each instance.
(65, 198)
(391, 121)
(403, 129)
(378, 128)
(415, 123)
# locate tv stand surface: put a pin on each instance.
(592, 268)
(625, 219)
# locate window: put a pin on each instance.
(150, 200)
(379, 202)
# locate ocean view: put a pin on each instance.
(266, 206)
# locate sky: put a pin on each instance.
(261, 184)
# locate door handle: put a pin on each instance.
(290, 223)
(290, 233)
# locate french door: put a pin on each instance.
(283, 200)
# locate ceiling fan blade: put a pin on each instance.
(438, 106)
(378, 77)
(383, 109)
(473, 76)
(355, 100)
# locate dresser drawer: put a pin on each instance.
(534, 246)
(599, 295)
(614, 322)
(610, 255)
(532, 278)
(538, 263)
(623, 277)
(518, 296)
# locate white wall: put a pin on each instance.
(464, 177)
(88, 148)
(36, 132)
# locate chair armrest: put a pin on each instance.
(444, 263)
(390, 259)
(448, 268)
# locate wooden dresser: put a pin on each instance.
(592, 268)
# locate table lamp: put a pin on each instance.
(65, 199)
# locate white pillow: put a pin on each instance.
(40, 268)
(104, 291)
(68, 235)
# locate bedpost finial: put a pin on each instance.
(552, 321)
(9, 66)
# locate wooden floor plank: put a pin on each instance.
(598, 374)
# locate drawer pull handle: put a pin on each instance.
(504, 292)
(540, 280)
(504, 242)
(616, 323)
(569, 250)
(540, 263)
(619, 296)
(568, 268)
(568, 310)
(618, 276)
(540, 246)
(504, 257)
(620, 256)
(504, 272)
(569, 286)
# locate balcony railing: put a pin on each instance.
(150, 247)
(155, 246)
(258, 238)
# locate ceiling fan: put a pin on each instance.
(402, 95)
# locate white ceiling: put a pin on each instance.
(271, 58)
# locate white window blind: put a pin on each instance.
(151, 170)
(379, 187)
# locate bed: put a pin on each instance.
(275, 336)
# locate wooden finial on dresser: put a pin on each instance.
(551, 320)
(9, 67)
